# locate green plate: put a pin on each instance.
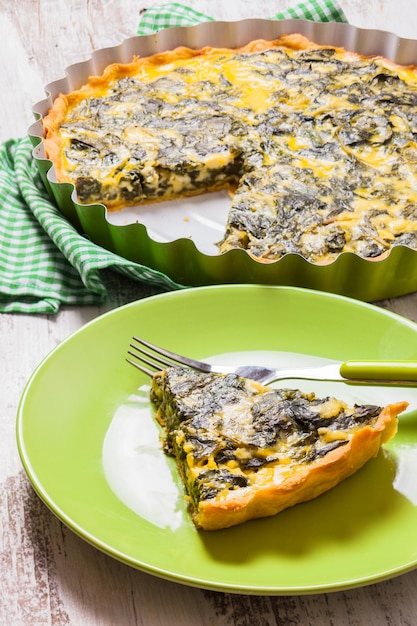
(89, 444)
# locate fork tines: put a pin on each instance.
(144, 358)
(148, 354)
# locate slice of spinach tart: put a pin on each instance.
(246, 451)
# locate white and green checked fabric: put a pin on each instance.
(44, 261)
(175, 14)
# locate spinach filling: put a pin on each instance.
(222, 431)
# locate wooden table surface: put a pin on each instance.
(48, 574)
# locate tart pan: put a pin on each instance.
(178, 238)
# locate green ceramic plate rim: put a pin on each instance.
(31, 465)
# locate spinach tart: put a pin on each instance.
(317, 145)
(245, 451)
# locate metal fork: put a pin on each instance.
(149, 358)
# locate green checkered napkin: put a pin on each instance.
(175, 14)
(44, 261)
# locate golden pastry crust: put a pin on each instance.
(246, 451)
(316, 144)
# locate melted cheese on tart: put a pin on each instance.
(245, 450)
(317, 145)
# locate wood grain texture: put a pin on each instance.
(49, 576)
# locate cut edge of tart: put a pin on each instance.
(247, 451)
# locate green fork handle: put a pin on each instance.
(380, 370)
